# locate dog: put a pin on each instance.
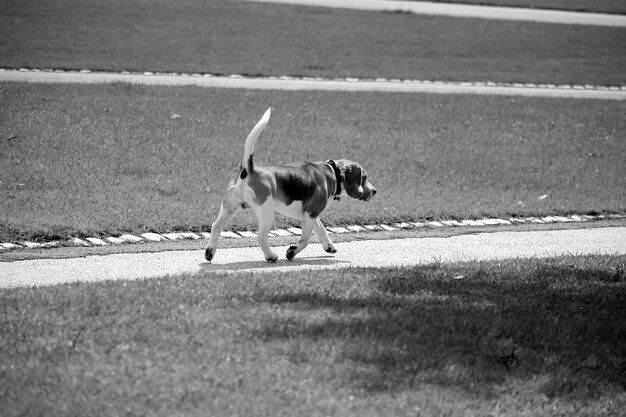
(301, 190)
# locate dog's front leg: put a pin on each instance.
(322, 235)
(308, 224)
(265, 215)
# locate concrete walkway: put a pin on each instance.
(368, 253)
(307, 84)
(467, 10)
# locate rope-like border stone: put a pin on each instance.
(294, 231)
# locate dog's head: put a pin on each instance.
(354, 180)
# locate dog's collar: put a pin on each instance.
(333, 166)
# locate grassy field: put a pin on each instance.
(108, 159)
(517, 337)
(225, 37)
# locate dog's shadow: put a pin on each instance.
(283, 264)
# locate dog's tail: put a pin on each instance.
(247, 164)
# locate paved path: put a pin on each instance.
(289, 83)
(466, 10)
(369, 253)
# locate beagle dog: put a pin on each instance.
(300, 190)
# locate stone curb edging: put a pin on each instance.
(607, 89)
(294, 231)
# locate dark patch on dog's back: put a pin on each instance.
(293, 187)
(297, 182)
(303, 183)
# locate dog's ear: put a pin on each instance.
(351, 177)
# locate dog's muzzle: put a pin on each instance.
(367, 195)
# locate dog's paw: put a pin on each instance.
(331, 249)
(208, 254)
(273, 258)
(291, 252)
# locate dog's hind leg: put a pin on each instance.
(265, 215)
(229, 208)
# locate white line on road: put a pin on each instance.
(369, 253)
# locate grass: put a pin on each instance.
(225, 37)
(108, 159)
(533, 337)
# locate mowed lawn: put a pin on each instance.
(107, 159)
(232, 37)
(507, 338)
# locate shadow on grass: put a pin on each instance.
(553, 330)
(281, 264)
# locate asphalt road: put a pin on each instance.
(367, 253)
